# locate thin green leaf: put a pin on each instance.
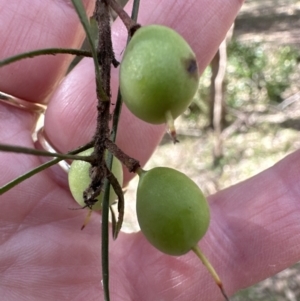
(46, 51)
(36, 152)
(27, 175)
(38, 169)
(94, 31)
(105, 241)
(135, 10)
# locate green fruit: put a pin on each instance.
(172, 211)
(79, 180)
(173, 214)
(158, 74)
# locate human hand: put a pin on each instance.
(43, 253)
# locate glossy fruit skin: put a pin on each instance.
(158, 74)
(79, 180)
(172, 211)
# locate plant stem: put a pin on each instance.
(118, 108)
(105, 204)
(87, 28)
(106, 58)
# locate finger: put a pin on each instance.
(26, 26)
(253, 234)
(260, 223)
(72, 112)
(32, 25)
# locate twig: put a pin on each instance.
(131, 163)
(129, 23)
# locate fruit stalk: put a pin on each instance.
(131, 163)
(210, 268)
(129, 23)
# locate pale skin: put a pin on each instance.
(254, 231)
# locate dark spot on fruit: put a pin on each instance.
(191, 67)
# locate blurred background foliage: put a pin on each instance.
(256, 75)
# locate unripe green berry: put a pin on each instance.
(158, 74)
(79, 180)
(172, 211)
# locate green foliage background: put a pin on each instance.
(256, 75)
